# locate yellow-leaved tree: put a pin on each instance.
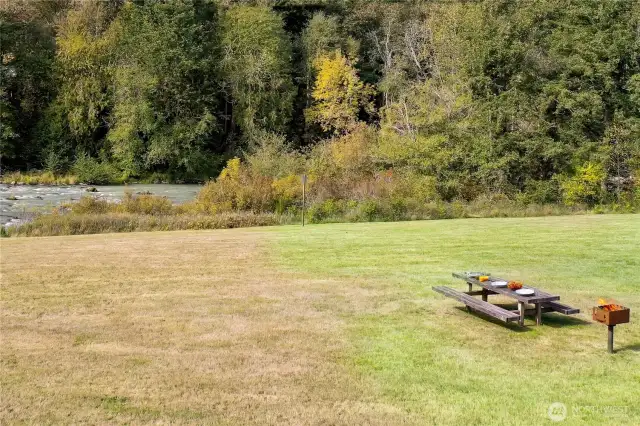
(338, 95)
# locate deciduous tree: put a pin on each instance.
(338, 95)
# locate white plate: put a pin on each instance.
(499, 283)
(525, 292)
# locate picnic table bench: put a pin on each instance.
(541, 300)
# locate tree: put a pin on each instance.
(166, 91)
(338, 95)
(548, 79)
(27, 52)
(256, 69)
(489, 96)
(77, 120)
(321, 36)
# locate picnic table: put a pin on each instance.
(541, 300)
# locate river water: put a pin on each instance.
(19, 202)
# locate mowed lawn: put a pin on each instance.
(330, 324)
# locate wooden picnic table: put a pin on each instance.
(535, 299)
(542, 301)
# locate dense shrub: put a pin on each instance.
(137, 204)
(541, 192)
(350, 180)
(237, 189)
(328, 210)
(89, 205)
(344, 167)
(287, 192)
(90, 170)
(145, 204)
(586, 186)
(410, 209)
(270, 155)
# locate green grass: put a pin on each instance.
(446, 366)
(326, 324)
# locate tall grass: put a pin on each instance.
(140, 212)
(74, 224)
(38, 178)
(144, 204)
(383, 210)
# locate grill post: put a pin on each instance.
(610, 327)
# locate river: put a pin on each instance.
(19, 202)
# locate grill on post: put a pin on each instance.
(611, 315)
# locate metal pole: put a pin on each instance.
(304, 184)
(610, 327)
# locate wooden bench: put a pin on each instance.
(553, 307)
(479, 305)
(562, 308)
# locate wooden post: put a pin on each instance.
(521, 310)
(610, 342)
(538, 313)
(304, 184)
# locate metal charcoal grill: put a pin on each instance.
(611, 315)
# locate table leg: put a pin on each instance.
(538, 313)
(485, 293)
(521, 310)
(470, 286)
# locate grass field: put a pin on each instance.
(330, 324)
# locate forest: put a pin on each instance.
(403, 101)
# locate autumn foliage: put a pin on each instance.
(339, 95)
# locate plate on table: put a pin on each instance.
(499, 283)
(525, 292)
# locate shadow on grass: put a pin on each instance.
(559, 320)
(548, 319)
(633, 348)
(513, 326)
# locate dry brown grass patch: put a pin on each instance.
(173, 327)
